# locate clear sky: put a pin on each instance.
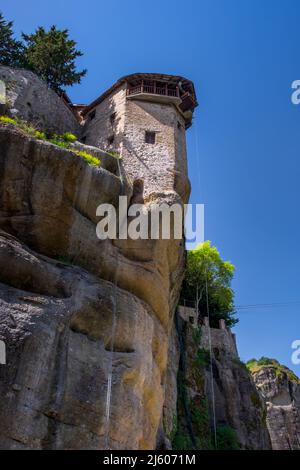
(243, 148)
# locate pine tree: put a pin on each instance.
(52, 56)
(11, 50)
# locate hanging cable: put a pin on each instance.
(110, 361)
(112, 341)
(211, 364)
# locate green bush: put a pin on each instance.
(8, 120)
(202, 358)
(69, 137)
(57, 140)
(90, 159)
(281, 371)
(227, 438)
(62, 141)
(40, 135)
(181, 441)
(206, 271)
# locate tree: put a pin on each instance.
(204, 264)
(52, 56)
(11, 50)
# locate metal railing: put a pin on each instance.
(155, 89)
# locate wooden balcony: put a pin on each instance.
(154, 91)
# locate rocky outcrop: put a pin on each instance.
(29, 98)
(75, 309)
(240, 413)
(280, 389)
(94, 359)
(56, 321)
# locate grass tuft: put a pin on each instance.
(8, 120)
(63, 141)
(90, 159)
(69, 137)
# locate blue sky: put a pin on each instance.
(244, 144)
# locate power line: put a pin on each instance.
(269, 305)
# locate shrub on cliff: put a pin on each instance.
(204, 264)
(227, 438)
(52, 55)
(255, 365)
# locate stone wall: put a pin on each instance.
(152, 163)
(98, 130)
(161, 166)
(222, 340)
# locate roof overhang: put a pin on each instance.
(177, 80)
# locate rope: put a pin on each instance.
(112, 341)
(211, 365)
(207, 300)
(110, 363)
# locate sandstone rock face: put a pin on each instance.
(31, 99)
(170, 402)
(75, 309)
(237, 404)
(57, 323)
(281, 391)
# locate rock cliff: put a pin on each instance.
(62, 289)
(280, 388)
(95, 359)
(31, 99)
(222, 389)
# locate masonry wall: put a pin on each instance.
(222, 341)
(98, 130)
(153, 163)
(161, 166)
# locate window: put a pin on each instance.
(150, 137)
(112, 118)
(110, 140)
(92, 114)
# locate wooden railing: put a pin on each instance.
(155, 89)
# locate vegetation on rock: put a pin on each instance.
(193, 430)
(227, 438)
(204, 264)
(90, 159)
(64, 141)
(255, 365)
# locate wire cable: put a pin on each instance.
(211, 364)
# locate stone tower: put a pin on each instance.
(143, 117)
